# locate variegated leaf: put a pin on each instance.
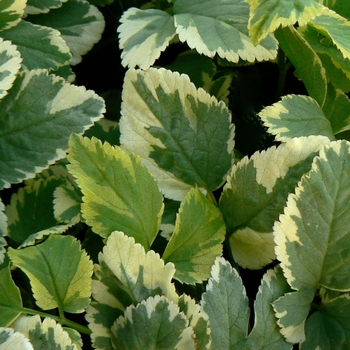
(11, 12)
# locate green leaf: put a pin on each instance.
(296, 116)
(256, 193)
(40, 47)
(3, 231)
(10, 64)
(335, 27)
(30, 213)
(42, 6)
(266, 333)
(307, 63)
(9, 340)
(11, 301)
(143, 35)
(126, 275)
(11, 12)
(226, 304)
(36, 120)
(59, 271)
(80, 24)
(155, 323)
(309, 260)
(197, 238)
(119, 192)
(329, 327)
(185, 136)
(220, 27)
(268, 15)
(45, 334)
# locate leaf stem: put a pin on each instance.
(283, 68)
(61, 320)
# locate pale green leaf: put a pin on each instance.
(126, 275)
(183, 135)
(10, 64)
(119, 192)
(268, 15)
(80, 24)
(198, 320)
(47, 334)
(307, 63)
(11, 301)
(296, 116)
(3, 231)
(36, 119)
(197, 238)
(11, 12)
(30, 213)
(220, 27)
(335, 27)
(329, 328)
(10, 340)
(42, 6)
(311, 236)
(226, 304)
(155, 323)
(40, 47)
(143, 35)
(256, 193)
(59, 271)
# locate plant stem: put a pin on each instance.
(283, 68)
(61, 320)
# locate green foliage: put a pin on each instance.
(146, 226)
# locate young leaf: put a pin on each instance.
(9, 340)
(268, 15)
(296, 116)
(126, 275)
(119, 192)
(59, 271)
(3, 232)
(220, 27)
(30, 213)
(80, 24)
(197, 238)
(36, 120)
(144, 34)
(11, 12)
(226, 304)
(10, 64)
(42, 6)
(11, 301)
(256, 193)
(306, 62)
(183, 134)
(311, 236)
(155, 323)
(40, 47)
(45, 334)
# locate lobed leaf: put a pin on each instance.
(226, 304)
(80, 24)
(296, 116)
(143, 35)
(36, 120)
(312, 237)
(119, 192)
(155, 323)
(11, 12)
(59, 272)
(307, 63)
(10, 64)
(9, 340)
(268, 15)
(197, 238)
(40, 47)
(220, 27)
(183, 135)
(256, 193)
(45, 334)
